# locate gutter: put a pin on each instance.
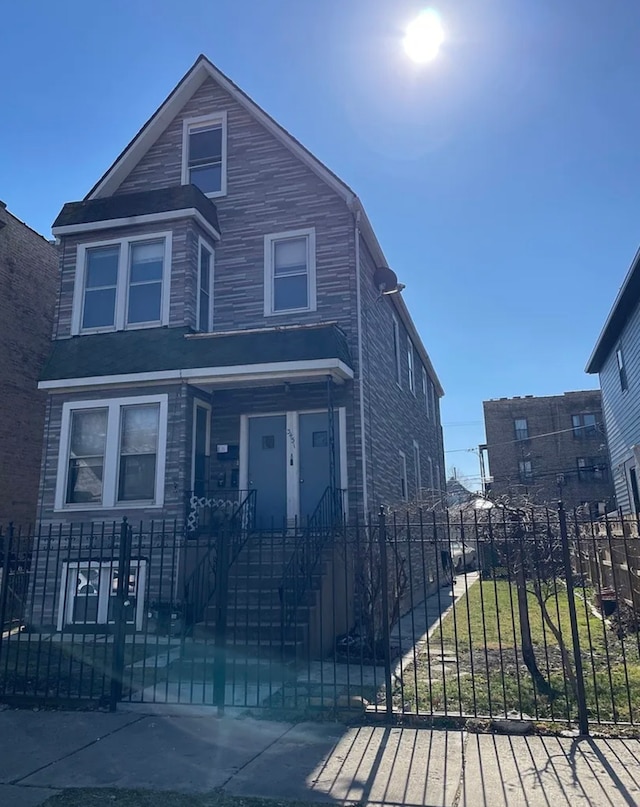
(365, 490)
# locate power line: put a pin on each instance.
(524, 440)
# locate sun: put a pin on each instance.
(424, 36)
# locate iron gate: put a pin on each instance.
(527, 614)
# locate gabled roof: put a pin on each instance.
(623, 306)
(175, 101)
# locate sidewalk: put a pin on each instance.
(42, 753)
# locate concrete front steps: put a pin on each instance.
(257, 624)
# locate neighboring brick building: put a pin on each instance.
(28, 283)
(550, 448)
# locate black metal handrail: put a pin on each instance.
(235, 523)
(297, 579)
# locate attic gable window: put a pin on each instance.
(204, 154)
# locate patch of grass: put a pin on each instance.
(473, 664)
(108, 797)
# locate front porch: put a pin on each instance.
(282, 444)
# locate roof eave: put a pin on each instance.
(611, 329)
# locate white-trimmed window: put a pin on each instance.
(89, 590)
(434, 405)
(204, 153)
(290, 272)
(525, 471)
(112, 453)
(430, 464)
(201, 447)
(205, 286)
(404, 492)
(418, 471)
(396, 348)
(425, 391)
(622, 370)
(412, 380)
(122, 284)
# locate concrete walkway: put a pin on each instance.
(44, 752)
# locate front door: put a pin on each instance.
(314, 438)
(268, 468)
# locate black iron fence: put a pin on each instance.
(526, 614)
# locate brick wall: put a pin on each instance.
(395, 416)
(551, 447)
(28, 284)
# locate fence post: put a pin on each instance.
(4, 580)
(222, 588)
(583, 718)
(386, 628)
(120, 627)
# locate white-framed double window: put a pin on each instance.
(290, 272)
(410, 365)
(112, 453)
(204, 153)
(89, 588)
(122, 284)
(204, 301)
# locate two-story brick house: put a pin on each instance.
(227, 330)
(221, 292)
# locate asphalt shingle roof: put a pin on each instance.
(158, 349)
(123, 205)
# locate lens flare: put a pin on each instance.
(424, 36)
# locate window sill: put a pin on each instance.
(289, 311)
(136, 326)
(70, 508)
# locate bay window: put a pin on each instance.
(205, 284)
(122, 284)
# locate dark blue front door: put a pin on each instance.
(314, 436)
(268, 468)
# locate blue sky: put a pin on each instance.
(501, 179)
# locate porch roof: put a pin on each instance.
(170, 353)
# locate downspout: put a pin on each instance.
(365, 492)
